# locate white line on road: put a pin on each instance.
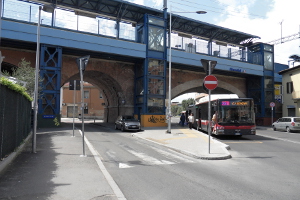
(276, 138)
(108, 177)
(170, 155)
(150, 159)
(124, 165)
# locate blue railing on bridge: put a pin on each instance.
(102, 26)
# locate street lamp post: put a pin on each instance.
(50, 9)
(37, 63)
(170, 64)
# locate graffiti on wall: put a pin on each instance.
(157, 119)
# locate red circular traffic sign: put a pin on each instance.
(272, 104)
(210, 82)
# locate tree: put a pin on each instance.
(186, 103)
(24, 72)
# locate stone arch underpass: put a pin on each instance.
(225, 86)
(114, 79)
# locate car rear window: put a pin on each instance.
(129, 118)
(297, 119)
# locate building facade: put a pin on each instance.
(291, 92)
(93, 102)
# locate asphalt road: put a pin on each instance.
(265, 166)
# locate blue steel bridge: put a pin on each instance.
(112, 30)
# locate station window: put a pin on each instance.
(156, 21)
(269, 61)
(155, 67)
(156, 38)
(155, 86)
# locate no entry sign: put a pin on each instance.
(210, 82)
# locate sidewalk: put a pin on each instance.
(55, 171)
(186, 141)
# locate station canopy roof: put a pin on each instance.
(134, 13)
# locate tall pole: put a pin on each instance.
(281, 29)
(74, 106)
(170, 71)
(82, 107)
(36, 88)
(209, 109)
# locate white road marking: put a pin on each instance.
(173, 155)
(124, 165)
(119, 194)
(150, 159)
(276, 138)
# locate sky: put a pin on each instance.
(268, 19)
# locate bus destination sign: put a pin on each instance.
(234, 103)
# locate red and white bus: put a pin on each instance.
(233, 115)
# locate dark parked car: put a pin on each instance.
(288, 124)
(127, 123)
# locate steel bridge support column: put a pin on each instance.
(49, 97)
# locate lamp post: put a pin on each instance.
(82, 62)
(50, 9)
(170, 64)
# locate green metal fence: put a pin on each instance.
(15, 120)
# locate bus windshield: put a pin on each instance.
(236, 111)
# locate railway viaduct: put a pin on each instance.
(132, 72)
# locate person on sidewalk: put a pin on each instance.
(182, 119)
(191, 120)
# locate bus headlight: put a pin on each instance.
(253, 130)
(219, 130)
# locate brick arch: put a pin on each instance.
(110, 88)
(115, 80)
(194, 85)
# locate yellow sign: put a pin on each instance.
(153, 120)
(277, 90)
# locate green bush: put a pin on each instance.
(15, 87)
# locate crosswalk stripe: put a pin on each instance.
(150, 159)
(173, 155)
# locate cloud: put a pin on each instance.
(268, 28)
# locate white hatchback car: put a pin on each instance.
(288, 124)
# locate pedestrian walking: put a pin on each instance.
(182, 119)
(191, 120)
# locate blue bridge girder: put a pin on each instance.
(20, 34)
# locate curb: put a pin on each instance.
(185, 152)
(4, 163)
